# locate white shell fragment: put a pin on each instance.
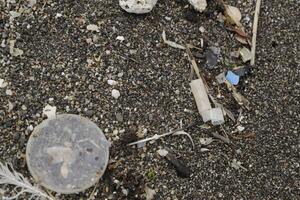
(137, 6)
(162, 152)
(112, 82)
(199, 5)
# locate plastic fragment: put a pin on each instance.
(137, 6)
(216, 116)
(92, 27)
(49, 111)
(221, 78)
(211, 59)
(162, 152)
(245, 54)
(232, 78)
(121, 38)
(199, 5)
(171, 43)
(115, 93)
(201, 97)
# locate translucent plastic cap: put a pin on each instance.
(67, 154)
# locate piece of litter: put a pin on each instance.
(204, 150)
(221, 78)
(211, 59)
(115, 93)
(199, 5)
(3, 84)
(112, 82)
(156, 137)
(232, 78)
(150, 193)
(121, 38)
(14, 51)
(8, 92)
(216, 116)
(162, 152)
(92, 27)
(233, 15)
(245, 54)
(242, 70)
(10, 106)
(49, 111)
(201, 97)
(205, 141)
(201, 29)
(240, 128)
(171, 43)
(237, 165)
(137, 6)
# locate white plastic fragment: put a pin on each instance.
(199, 5)
(237, 165)
(201, 97)
(206, 141)
(92, 27)
(204, 150)
(150, 193)
(8, 92)
(112, 82)
(162, 152)
(171, 43)
(245, 54)
(115, 93)
(240, 128)
(49, 111)
(216, 116)
(3, 84)
(121, 38)
(14, 51)
(137, 6)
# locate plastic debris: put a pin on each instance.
(221, 78)
(242, 70)
(150, 193)
(112, 82)
(121, 38)
(216, 116)
(49, 111)
(67, 154)
(237, 165)
(205, 141)
(232, 78)
(137, 6)
(3, 84)
(92, 27)
(211, 59)
(201, 97)
(245, 54)
(162, 152)
(14, 51)
(171, 43)
(115, 93)
(199, 5)
(233, 15)
(8, 92)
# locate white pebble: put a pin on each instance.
(115, 93)
(8, 92)
(137, 6)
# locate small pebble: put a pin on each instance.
(115, 93)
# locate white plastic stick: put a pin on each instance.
(201, 97)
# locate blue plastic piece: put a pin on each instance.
(232, 78)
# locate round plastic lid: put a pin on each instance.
(67, 154)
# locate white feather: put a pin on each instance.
(12, 177)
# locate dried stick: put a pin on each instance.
(254, 34)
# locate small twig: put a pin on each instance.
(254, 34)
